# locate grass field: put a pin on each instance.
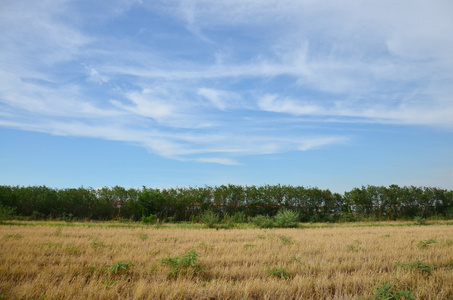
(341, 262)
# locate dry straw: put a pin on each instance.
(44, 262)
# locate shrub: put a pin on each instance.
(286, 218)
(210, 218)
(239, 217)
(263, 221)
(6, 213)
(151, 219)
(386, 292)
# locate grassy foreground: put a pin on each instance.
(345, 262)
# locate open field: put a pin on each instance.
(342, 262)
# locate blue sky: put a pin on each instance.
(333, 94)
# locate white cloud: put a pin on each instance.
(220, 99)
(330, 61)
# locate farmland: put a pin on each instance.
(345, 261)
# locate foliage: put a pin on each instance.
(6, 213)
(263, 221)
(120, 267)
(425, 244)
(279, 272)
(210, 218)
(420, 221)
(418, 265)
(386, 292)
(151, 219)
(233, 203)
(182, 263)
(286, 218)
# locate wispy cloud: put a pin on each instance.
(70, 70)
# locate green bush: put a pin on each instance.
(263, 221)
(239, 217)
(6, 213)
(286, 218)
(210, 218)
(151, 219)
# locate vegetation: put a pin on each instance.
(266, 206)
(101, 262)
(387, 292)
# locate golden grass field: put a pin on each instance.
(343, 262)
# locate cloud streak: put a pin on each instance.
(213, 83)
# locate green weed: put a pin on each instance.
(418, 265)
(279, 272)
(143, 236)
(120, 267)
(183, 263)
(425, 244)
(386, 292)
(12, 236)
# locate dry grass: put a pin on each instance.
(44, 262)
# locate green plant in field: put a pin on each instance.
(286, 240)
(183, 263)
(279, 272)
(50, 245)
(58, 231)
(249, 246)
(97, 244)
(143, 236)
(6, 213)
(296, 259)
(450, 265)
(151, 219)
(418, 265)
(210, 218)
(12, 236)
(239, 217)
(263, 221)
(420, 221)
(286, 218)
(386, 292)
(72, 249)
(120, 267)
(110, 283)
(425, 244)
(354, 247)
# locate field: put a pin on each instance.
(340, 262)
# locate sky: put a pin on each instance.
(162, 93)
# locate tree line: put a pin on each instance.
(188, 203)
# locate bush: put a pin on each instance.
(286, 218)
(210, 218)
(263, 221)
(6, 213)
(239, 217)
(151, 219)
